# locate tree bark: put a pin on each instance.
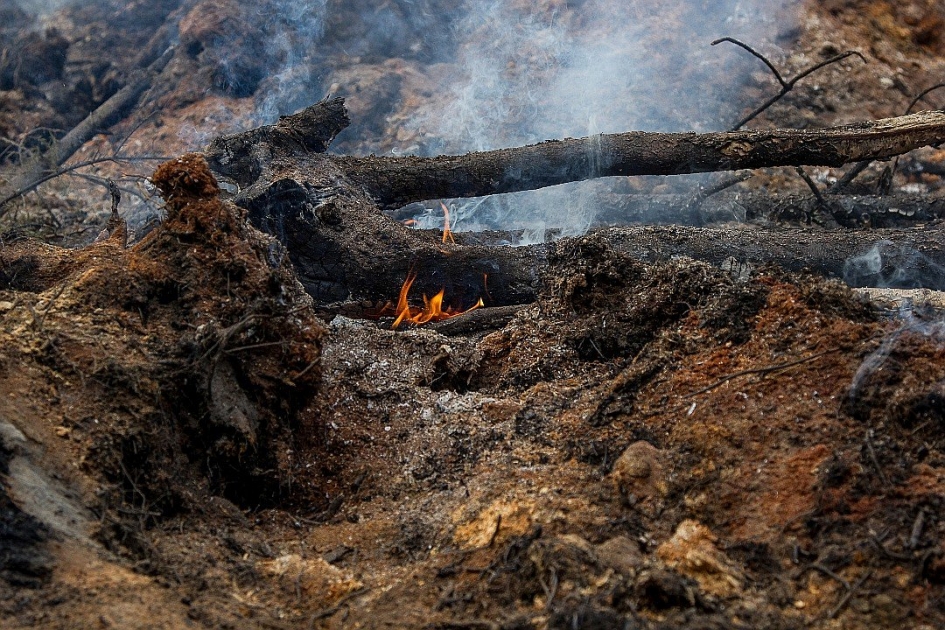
(397, 181)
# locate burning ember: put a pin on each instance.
(432, 310)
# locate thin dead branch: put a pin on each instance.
(49, 165)
(694, 205)
(834, 218)
(786, 85)
(70, 170)
(875, 459)
(851, 591)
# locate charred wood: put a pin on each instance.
(861, 258)
(890, 211)
(325, 209)
(397, 181)
(242, 157)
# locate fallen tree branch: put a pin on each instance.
(70, 169)
(859, 167)
(111, 110)
(878, 211)
(397, 181)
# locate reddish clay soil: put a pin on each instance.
(184, 444)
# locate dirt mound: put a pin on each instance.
(193, 351)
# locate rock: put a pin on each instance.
(496, 523)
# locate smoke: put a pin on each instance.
(506, 73)
(887, 265)
(295, 27)
(427, 77)
(535, 71)
(527, 72)
(911, 323)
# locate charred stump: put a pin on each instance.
(343, 248)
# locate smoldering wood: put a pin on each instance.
(397, 181)
(879, 211)
(326, 210)
(488, 318)
(889, 258)
(242, 157)
(897, 210)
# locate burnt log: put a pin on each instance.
(877, 211)
(397, 181)
(326, 209)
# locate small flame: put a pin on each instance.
(432, 310)
(447, 233)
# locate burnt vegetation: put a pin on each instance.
(218, 417)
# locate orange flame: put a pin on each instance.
(447, 233)
(432, 310)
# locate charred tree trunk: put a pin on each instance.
(326, 209)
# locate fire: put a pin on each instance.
(432, 310)
(447, 233)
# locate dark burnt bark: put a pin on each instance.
(890, 258)
(326, 209)
(878, 211)
(242, 157)
(397, 181)
(344, 249)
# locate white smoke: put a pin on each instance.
(910, 324)
(528, 72)
(298, 26)
(451, 76)
(888, 265)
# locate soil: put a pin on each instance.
(183, 443)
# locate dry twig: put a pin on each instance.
(786, 85)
